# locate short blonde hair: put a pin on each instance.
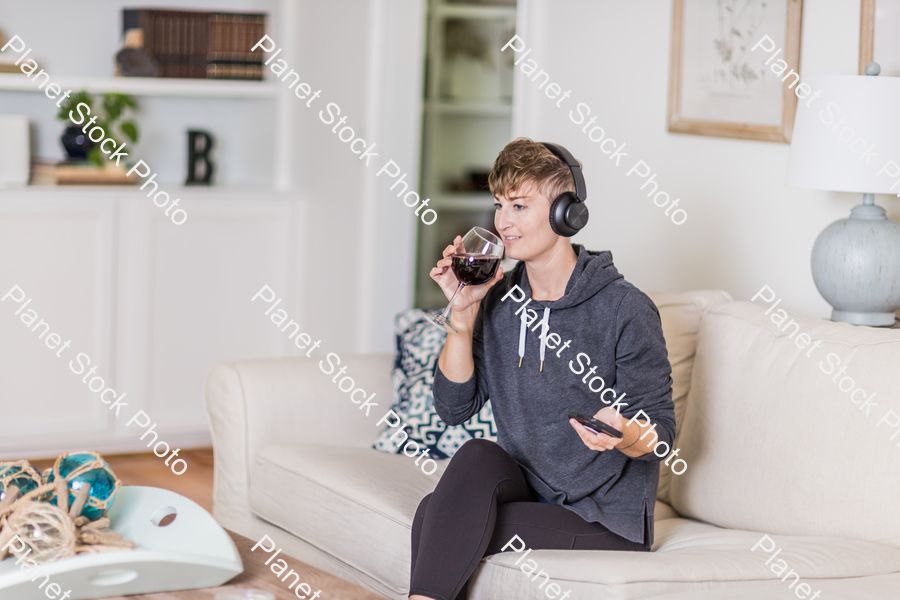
(524, 161)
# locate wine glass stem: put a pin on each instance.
(455, 294)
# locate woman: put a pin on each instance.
(550, 481)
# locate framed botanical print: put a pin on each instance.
(719, 86)
(879, 36)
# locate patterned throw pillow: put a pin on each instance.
(418, 345)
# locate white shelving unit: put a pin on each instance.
(473, 11)
(152, 303)
(466, 121)
(461, 201)
(263, 109)
(494, 109)
(148, 86)
(275, 95)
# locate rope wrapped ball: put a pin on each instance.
(19, 475)
(78, 470)
(46, 529)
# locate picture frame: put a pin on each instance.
(880, 17)
(717, 87)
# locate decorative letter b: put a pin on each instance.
(202, 155)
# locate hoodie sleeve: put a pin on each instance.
(642, 367)
(454, 402)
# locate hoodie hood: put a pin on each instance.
(593, 271)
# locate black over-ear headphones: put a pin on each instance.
(568, 213)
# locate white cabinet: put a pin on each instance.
(153, 305)
(62, 256)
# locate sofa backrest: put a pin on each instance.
(680, 315)
(780, 439)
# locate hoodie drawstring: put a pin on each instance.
(545, 326)
(523, 328)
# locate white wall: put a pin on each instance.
(398, 71)
(745, 229)
(367, 58)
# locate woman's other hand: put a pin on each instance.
(601, 441)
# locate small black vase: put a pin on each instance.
(76, 143)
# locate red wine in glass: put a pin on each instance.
(474, 263)
(474, 269)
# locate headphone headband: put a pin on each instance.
(566, 157)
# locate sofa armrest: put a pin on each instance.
(254, 404)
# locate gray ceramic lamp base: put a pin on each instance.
(872, 319)
(856, 266)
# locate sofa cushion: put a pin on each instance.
(688, 557)
(773, 444)
(418, 345)
(680, 315)
(347, 501)
(878, 587)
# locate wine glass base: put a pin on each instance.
(440, 321)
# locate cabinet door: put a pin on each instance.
(60, 253)
(186, 294)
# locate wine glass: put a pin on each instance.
(474, 263)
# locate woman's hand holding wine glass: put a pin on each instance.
(444, 276)
(468, 269)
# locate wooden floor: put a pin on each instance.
(147, 469)
(257, 576)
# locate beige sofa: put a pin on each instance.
(773, 446)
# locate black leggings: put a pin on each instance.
(480, 503)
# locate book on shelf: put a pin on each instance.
(79, 173)
(200, 45)
(8, 63)
(221, 70)
(43, 172)
(232, 35)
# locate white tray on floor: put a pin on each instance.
(192, 552)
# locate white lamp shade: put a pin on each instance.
(827, 154)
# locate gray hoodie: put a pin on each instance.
(613, 327)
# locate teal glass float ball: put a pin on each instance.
(80, 469)
(20, 474)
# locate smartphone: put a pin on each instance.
(592, 424)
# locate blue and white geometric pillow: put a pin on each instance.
(418, 345)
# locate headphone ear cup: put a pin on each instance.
(577, 216)
(559, 210)
(557, 215)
